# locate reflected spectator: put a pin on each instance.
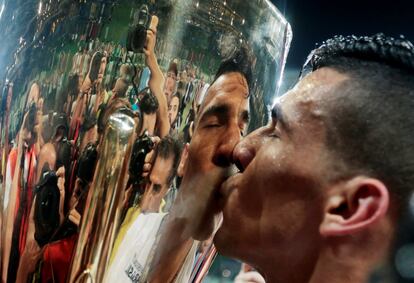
(171, 81)
(173, 111)
(220, 124)
(149, 106)
(138, 231)
(163, 171)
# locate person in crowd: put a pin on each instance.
(56, 255)
(163, 171)
(173, 111)
(86, 105)
(69, 94)
(57, 151)
(149, 106)
(156, 81)
(182, 81)
(90, 123)
(23, 181)
(188, 90)
(120, 88)
(322, 188)
(171, 80)
(33, 251)
(220, 124)
(132, 241)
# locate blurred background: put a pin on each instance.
(317, 20)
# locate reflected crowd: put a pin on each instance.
(50, 166)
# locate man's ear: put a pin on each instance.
(354, 206)
(183, 161)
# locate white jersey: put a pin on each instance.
(133, 253)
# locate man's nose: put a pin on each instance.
(245, 150)
(223, 156)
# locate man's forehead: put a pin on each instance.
(161, 168)
(225, 84)
(313, 90)
(229, 80)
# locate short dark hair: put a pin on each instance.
(370, 127)
(173, 68)
(170, 146)
(240, 61)
(95, 65)
(148, 103)
(72, 87)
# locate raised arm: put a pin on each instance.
(156, 81)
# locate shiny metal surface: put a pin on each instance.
(70, 57)
(103, 206)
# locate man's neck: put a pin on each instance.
(290, 270)
(327, 268)
(334, 271)
(356, 267)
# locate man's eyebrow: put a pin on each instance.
(220, 110)
(280, 117)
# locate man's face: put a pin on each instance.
(34, 94)
(274, 206)
(184, 76)
(157, 185)
(222, 119)
(169, 86)
(173, 109)
(102, 68)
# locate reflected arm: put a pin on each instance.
(156, 81)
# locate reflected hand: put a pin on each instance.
(60, 173)
(38, 122)
(151, 38)
(198, 202)
(39, 105)
(75, 216)
(248, 274)
(23, 133)
(32, 252)
(149, 47)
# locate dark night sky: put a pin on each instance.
(316, 20)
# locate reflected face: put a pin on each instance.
(275, 204)
(34, 94)
(157, 185)
(220, 125)
(173, 109)
(169, 86)
(102, 68)
(183, 76)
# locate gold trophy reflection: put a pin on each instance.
(104, 202)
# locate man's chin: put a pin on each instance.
(223, 242)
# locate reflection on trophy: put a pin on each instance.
(103, 206)
(132, 209)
